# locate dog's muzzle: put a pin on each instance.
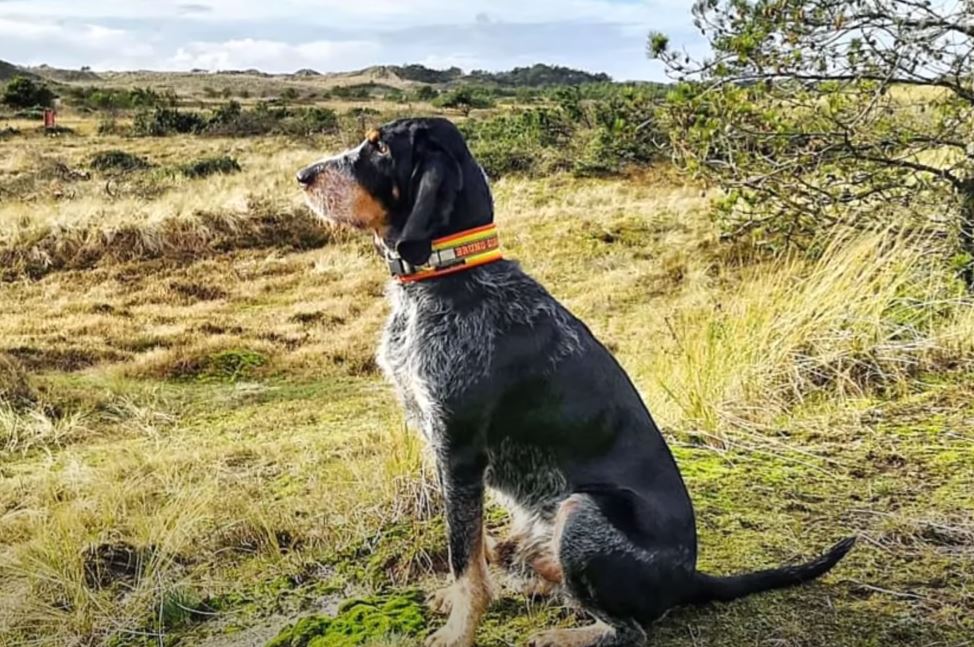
(330, 188)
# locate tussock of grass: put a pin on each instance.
(214, 360)
(118, 160)
(870, 315)
(22, 431)
(36, 253)
(210, 166)
(16, 391)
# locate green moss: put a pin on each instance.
(358, 621)
(233, 364)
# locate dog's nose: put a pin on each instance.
(307, 175)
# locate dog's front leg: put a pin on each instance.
(467, 597)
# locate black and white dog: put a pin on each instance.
(514, 393)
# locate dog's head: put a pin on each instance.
(411, 181)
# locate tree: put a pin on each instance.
(465, 99)
(426, 93)
(24, 93)
(813, 112)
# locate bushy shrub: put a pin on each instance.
(208, 166)
(314, 121)
(111, 100)
(587, 136)
(117, 160)
(426, 93)
(465, 98)
(22, 92)
(166, 121)
(232, 120)
(528, 142)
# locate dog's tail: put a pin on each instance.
(709, 588)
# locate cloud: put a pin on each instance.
(334, 35)
(190, 8)
(273, 56)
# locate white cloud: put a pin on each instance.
(273, 56)
(333, 35)
(342, 13)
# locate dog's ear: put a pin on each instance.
(435, 183)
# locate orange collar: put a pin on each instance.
(451, 254)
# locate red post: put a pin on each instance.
(50, 118)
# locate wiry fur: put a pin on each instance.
(514, 393)
(432, 351)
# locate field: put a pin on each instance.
(196, 447)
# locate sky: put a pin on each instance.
(340, 35)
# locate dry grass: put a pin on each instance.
(203, 403)
(869, 316)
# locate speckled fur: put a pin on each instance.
(514, 393)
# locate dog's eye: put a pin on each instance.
(382, 147)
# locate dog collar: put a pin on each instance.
(451, 254)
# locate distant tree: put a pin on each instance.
(812, 112)
(22, 92)
(426, 93)
(465, 99)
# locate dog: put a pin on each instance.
(514, 393)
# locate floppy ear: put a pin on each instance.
(436, 182)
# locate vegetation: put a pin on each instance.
(166, 121)
(117, 160)
(208, 166)
(114, 100)
(196, 446)
(22, 93)
(814, 112)
(465, 99)
(588, 137)
(539, 75)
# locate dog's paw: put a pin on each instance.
(551, 638)
(584, 637)
(448, 637)
(441, 601)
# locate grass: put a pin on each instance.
(196, 447)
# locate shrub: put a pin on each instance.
(231, 119)
(109, 125)
(530, 142)
(426, 93)
(312, 121)
(111, 100)
(166, 121)
(117, 160)
(208, 166)
(465, 99)
(22, 92)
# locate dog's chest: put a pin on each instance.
(431, 354)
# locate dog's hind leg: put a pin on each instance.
(599, 634)
(612, 567)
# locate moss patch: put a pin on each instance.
(357, 622)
